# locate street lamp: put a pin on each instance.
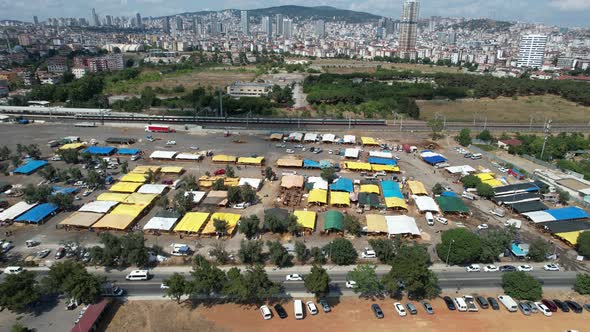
(449, 253)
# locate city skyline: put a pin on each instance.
(562, 13)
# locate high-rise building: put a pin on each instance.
(320, 29)
(409, 29)
(279, 24)
(36, 20)
(197, 25)
(213, 26)
(452, 38)
(95, 20)
(178, 24)
(166, 24)
(138, 21)
(245, 22)
(287, 28)
(109, 19)
(531, 52)
(267, 26)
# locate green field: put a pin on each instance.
(348, 66)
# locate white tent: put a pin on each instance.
(539, 216)
(254, 183)
(98, 206)
(349, 139)
(465, 169)
(160, 223)
(296, 137)
(425, 203)
(159, 154)
(318, 182)
(189, 156)
(352, 153)
(157, 189)
(381, 154)
(329, 138)
(197, 196)
(401, 225)
(15, 210)
(310, 137)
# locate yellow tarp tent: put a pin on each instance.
(306, 218)
(172, 169)
(570, 237)
(251, 160)
(290, 163)
(417, 188)
(128, 210)
(145, 169)
(485, 176)
(125, 187)
(357, 166)
(231, 219)
(370, 188)
(114, 221)
(376, 223)
(192, 222)
(231, 182)
(207, 181)
(140, 199)
(71, 146)
(318, 196)
(339, 198)
(134, 177)
(368, 141)
(115, 197)
(385, 168)
(222, 158)
(395, 202)
(493, 183)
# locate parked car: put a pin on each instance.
(43, 253)
(473, 268)
(587, 306)
(524, 308)
(32, 243)
(368, 253)
(400, 309)
(290, 151)
(525, 268)
(533, 306)
(60, 253)
(265, 312)
(490, 268)
(482, 302)
(561, 305)
(294, 277)
(325, 305)
(483, 226)
(411, 308)
(550, 305)
(312, 308)
(171, 143)
(13, 270)
(507, 268)
(350, 284)
(543, 309)
(280, 311)
(427, 307)
(442, 220)
(575, 306)
(551, 267)
(377, 311)
(493, 303)
(220, 171)
(450, 303)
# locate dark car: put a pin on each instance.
(220, 171)
(549, 304)
(449, 302)
(587, 306)
(60, 253)
(561, 306)
(427, 307)
(482, 302)
(411, 308)
(493, 303)
(280, 311)
(377, 311)
(325, 305)
(577, 308)
(507, 268)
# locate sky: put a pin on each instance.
(566, 13)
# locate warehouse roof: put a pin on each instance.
(38, 213)
(30, 167)
(567, 213)
(100, 150)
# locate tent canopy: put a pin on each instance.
(449, 204)
(368, 141)
(342, 184)
(125, 187)
(357, 166)
(38, 213)
(287, 162)
(172, 169)
(567, 213)
(571, 237)
(318, 196)
(370, 188)
(376, 223)
(160, 223)
(292, 181)
(140, 199)
(251, 160)
(223, 158)
(157, 189)
(382, 161)
(425, 203)
(115, 197)
(30, 167)
(134, 177)
(395, 202)
(307, 163)
(192, 222)
(81, 219)
(306, 218)
(16, 210)
(391, 189)
(231, 219)
(163, 154)
(145, 169)
(334, 220)
(115, 221)
(98, 206)
(401, 225)
(100, 150)
(339, 198)
(417, 188)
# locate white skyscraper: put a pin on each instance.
(267, 26)
(531, 51)
(320, 29)
(287, 28)
(279, 29)
(409, 29)
(245, 22)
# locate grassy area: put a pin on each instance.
(486, 147)
(347, 66)
(518, 110)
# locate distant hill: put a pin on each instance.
(483, 24)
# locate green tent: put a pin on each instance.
(370, 199)
(334, 221)
(450, 204)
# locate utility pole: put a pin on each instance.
(547, 130)
(449, 253)
(220, 105)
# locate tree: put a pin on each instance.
(367, 282)
(437, 126)
(48, 173)
(464, 138)
(125, 167)
(582, 284)
(18, 327)
(229, 172)
(207, 278)
(260, 287)
(18, 292)
(494, 242)
(63, 202)
(268, 173)
(485, 136)
(219, 184)
(303, 254)
(409, 272)
(317, 281)
(384, 248)
(485, 190)
(251, 252)
(121, 251)
(293, 225)
(318, 255)
(563, 197)
(176, 286)
(583, 244)
(438, 189)
(70, 156)
(5, 153)
(221, 226)
(33, 151)
(328, 174)
(236, 288)
(95, 180)
(150, 176)
(352, 225)
(470, 181)
(234, 195)
(341, 251)
(459, 246)
(190, 182)
(275, 224)
(183, 202)
(249, 226)
(247, 193)
(522, 286)
(16, 161)
(279, 256)
(221, 255)
(538, 250)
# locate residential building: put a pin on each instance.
(138, 21)
(79, 72)
(320, 29)
(248, 89)
(166, 24)
(95, 20)
(245, 22)
(57, 65)
(287, 29)
(267, 26)
(531, 52)
(279, 24)
(178, 25)
(409, 29)
(24, 40)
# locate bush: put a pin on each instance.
(584, 244)
(459, 246)
(522, 286)
(582, 284)
(341, 251)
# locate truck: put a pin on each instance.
(111, 290)
(470, 301)
(159, 129)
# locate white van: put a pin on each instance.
(460, 303)
(138, 275)
(298, 309)
(429, 218)
(266, 313)
(13, 270)
(508, 302)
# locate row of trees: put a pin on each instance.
(464, 137)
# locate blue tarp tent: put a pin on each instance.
(100, 150)
(391, 189)
(63, 190)
(30, 167)
(434, 160)
(449, 194)
(568, 213)
(128, 151)
(343, 184)
(307, 163)
(382, 161)
(37, 214)
(325, 164)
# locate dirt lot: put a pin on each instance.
(214, 77)
(349, 315)
(341, 66)
(507, 110)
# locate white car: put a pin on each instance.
(381, 173)
(13, 270)
(491, 268)
(483, 226)
(543, 309)
(55, 158)
(171, 143)
(163, 286)
(400, 309)
(350, 284)
(294, 277)
(551, 267)
(290, 151)
(266, 313)
(368, 253)
(442, 220)
(312, 308)
(473, 268)
(524, 268)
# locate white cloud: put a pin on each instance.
(570, 5)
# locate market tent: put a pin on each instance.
(368, 141)
(145, 169)
(115, 197)
(252, 182)
(172, 169)
(401, 225)
(326, 164)
(306, 218)
(207, 181)
(157, 189)
(81, 219)
(189, 156)
(63, 190)
(98, 206)
(140, 199)
(376, 223)
(295, 137)
(352, 153)
(30, 167)
(417, 188)
(222, 158)
(307, 163)
(339, 198)
(115, 221)
(231, 182)
(449, 194)
(318, 196)
(567, 213)
(133, 177)
(287, 162)
(100, 150)
(251, 160)
(328, 138)
(570, 237)
(391, 189)
(192, 222)
(197, 195)
(292, 181)
(215, 197)
(125, 151)
(334, 220)
(425, 203)
(357, 166)
(450, 204)
(528, 206)
(349, 139)
(16, 210)
(276, 136)
(432, 157)
(567, 226)
(395, 202)
(310, 137)
(38, 213)
(385, 168)
(369, 199)
(342, 184)
(125, 187)
(128, 210)
(163, 154)
(380, 154)
(231, 219)
(382, 161)
(318, 182)
(71, 146)
(465, 169)
(370, 188)
(162, 221)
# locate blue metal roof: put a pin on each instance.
(568, 213)
(307, 163)
(30, 167)
(434, 160)
(343, 184)
(391, 189)
(128, 151)
(382, 161)
(63, 190)
(101, 150)
(38, 213)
